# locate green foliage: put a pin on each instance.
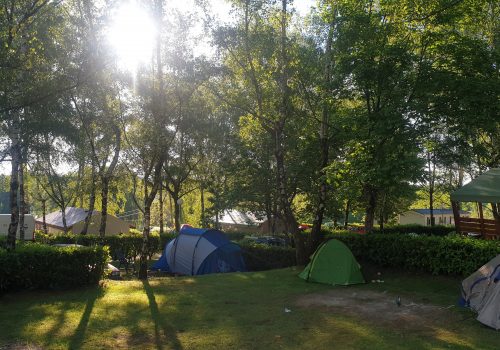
(260, 257)
(437, 230)
(127, 246)
(450, 255)
(37, 266)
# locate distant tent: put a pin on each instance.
(75, 221)
(333, 263)
(481, 291)
(199, 251)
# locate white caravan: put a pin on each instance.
(29, 226)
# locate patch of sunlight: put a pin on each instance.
(451, 338)
(213, 338)
(354, 327)
(258, 275)
(188, 280)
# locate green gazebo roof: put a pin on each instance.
(485, 189)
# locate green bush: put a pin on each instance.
(260, 257)
(437, 230)
(37, 266)
(126, 245)
(450, 255)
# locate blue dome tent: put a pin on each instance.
(198, 251)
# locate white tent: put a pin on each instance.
(75, 220)
(481, 291)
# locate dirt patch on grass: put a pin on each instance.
(379, 307)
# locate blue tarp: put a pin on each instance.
(199, 251)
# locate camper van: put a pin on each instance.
(29, 226)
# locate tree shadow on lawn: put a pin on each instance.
(163, 331)
(251, 314)
(79, 334)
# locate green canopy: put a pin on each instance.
(333, 263)
(484, 189)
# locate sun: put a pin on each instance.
(132, 34)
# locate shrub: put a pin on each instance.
(126, 245)
(38, 266)
(450, 255)
(260, 257)
(437, 230)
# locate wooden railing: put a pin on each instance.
(489, 229)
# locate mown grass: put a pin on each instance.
(233, 311)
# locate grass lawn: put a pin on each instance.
(242, 311)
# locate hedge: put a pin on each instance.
(450, 255)
(125, 245)
(37, 266)
(438, 230)
(260, 257)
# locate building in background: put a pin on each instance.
(423, 217)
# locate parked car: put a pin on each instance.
(304, 227)
(268, 240)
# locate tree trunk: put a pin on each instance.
(382, 212)
(269, 213)
(324, 147)
(81, 173)
(177, 213)
(171, 209)
(143, 266)
(15, 154)
(285, 206)
(161, 209)
(285, 113)
(106, 178)
(44, 212)
(346, 214)
(22, 203)
(63, 214)
(202, 200)
(371, 197)
(91, 200)
(104, 206)
(495, 211)
(157, 179)
(432, 174)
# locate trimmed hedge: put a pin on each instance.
(438, 230)
(125, 245)
(450, 255)
(37, 266)
(260, 257)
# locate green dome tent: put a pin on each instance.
(333, 263)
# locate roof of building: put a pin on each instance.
(73, 215)
(485, 189)
(235, 217)
(438, 211)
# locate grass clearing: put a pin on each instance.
(240, 311)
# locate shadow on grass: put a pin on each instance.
(160, 325)
(79, 335)
(60, 319)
